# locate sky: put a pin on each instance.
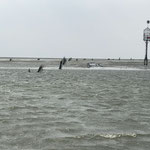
(73, 28)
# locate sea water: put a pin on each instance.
(74, 109)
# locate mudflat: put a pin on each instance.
(73, 62)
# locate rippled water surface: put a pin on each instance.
(74, 109)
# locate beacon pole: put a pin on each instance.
(146, 38)
(146, 58)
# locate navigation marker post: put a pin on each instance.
(146, 38)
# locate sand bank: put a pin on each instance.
(73, 63)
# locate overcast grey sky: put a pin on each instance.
(73, 28)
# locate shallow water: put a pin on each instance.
(74, 109)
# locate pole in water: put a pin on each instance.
(60, 65)
(64, 60)
(146, 59)
(40, 68)
(146, 38)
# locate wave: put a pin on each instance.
(106, 136)
(78, 68)
(120, 68)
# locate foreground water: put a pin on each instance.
(75, 109)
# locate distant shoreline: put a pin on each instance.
(73, 62)
(70, 57)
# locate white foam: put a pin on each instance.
(106, 68)
(78, 68)
(112, 136)
(119, 68)
(107, 136)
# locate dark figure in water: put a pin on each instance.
(29, 70)
(40, 68)
(60, 65)
(69, 59)
(64, 60)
